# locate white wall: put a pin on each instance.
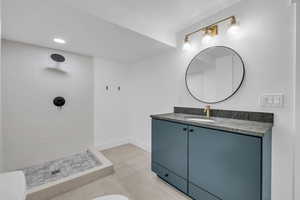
(1, 134)
(297, 104)
(155, 87)
(266, 45)
(34, 129)
(111, 106)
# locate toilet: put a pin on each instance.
(112, 197)
(13, 186)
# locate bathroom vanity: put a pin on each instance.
(227, 157)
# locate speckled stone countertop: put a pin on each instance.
(245, 127)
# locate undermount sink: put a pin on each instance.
(197, 119)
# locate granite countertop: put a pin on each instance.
(252, 128)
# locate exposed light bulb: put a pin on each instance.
(207, 39)
(234, 27)
(59, 41)
(187, 45)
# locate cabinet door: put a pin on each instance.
(171, 178)
(225, 164)
(169, 146)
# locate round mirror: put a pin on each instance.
(215, 74)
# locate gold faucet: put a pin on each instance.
(207, 111)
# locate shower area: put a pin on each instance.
(48, 119)
(52, 178)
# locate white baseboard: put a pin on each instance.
(112, 144)
(142, 145)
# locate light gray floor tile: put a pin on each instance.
(132, 178)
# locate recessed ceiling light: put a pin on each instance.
(59, 40)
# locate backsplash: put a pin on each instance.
(242, 115)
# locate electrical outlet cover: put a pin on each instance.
(272, 100)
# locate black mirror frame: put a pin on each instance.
(215, 102)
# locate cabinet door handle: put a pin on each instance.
(184, 129)
(166, 175)
(191, 130)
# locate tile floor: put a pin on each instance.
(132, 178)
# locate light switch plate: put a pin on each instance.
(272, 100)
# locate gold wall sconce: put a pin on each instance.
(211, 30)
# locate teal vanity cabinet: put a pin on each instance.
(169, 152)
(224, 165)
(211, 164)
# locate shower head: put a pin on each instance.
(57, 57)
